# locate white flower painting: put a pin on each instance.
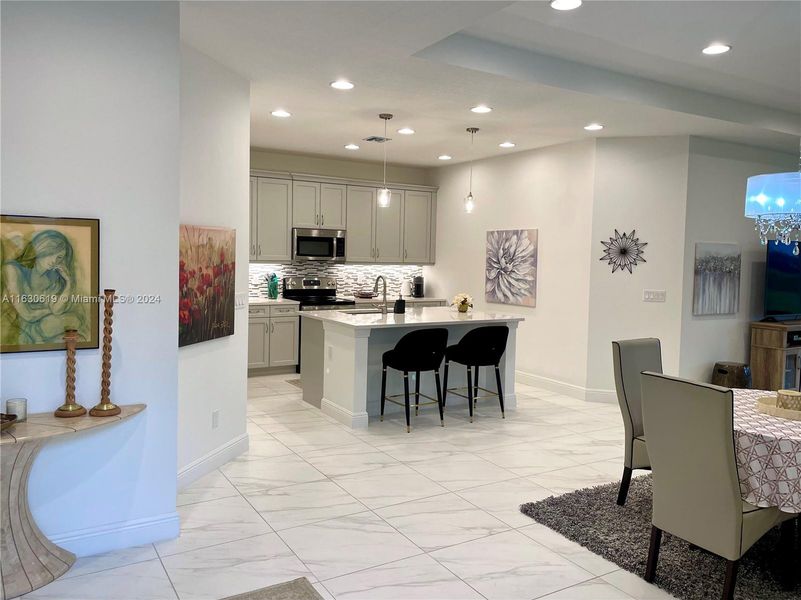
(511, 270)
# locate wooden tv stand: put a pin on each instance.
(776, 355)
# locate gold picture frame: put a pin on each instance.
(49, 282)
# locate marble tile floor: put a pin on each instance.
(380, 514)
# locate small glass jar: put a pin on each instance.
(19, 407)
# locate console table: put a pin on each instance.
(28, 560)
(776, 355)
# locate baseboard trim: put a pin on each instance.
(122, 534)
(343, 415)
(212, 460)
(568, 389)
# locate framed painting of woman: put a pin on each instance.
(49, 282)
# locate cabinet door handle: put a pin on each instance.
(259, 249)
(377, 252)
(322, 219)
(272, 327)
(405, 253)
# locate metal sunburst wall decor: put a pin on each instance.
(624, 251)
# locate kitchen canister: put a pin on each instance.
(19, 407)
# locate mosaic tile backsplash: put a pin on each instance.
(350, 278)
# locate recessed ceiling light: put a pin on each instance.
(281, 113)
(507, 144)
(594, 127)
(481, 109)
(716, 48)
(444, 157)
(565, 4)
(342, 84)
(406, 131)
(351, 147)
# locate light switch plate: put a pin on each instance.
(654, 295)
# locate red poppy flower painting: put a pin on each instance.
(206, 273)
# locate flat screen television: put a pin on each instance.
(782, 282)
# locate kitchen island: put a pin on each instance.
(341, 358)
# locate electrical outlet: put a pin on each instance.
(654, 295)
(215, 419)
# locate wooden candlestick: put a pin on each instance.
(106, 408)
(70, 408)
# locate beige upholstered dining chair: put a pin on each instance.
(690, 432)
(630, 358)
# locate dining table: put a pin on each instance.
(768, 453)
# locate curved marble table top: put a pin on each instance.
(28, 560)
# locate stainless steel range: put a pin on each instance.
(314, 293)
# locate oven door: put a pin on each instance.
(318, 245)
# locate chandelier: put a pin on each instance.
(774, 201)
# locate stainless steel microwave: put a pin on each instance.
(325, 245)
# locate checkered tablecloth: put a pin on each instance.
(768, 454)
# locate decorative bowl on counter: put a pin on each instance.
(6, 421)
(364, 295)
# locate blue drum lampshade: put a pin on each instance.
(773, 194)
(774, 201)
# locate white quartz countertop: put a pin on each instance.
(262, 301)
(427, 316)
(391, 299)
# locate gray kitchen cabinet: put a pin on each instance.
(305, 204)
(273, 336)
(359, 245)
(333, 205)
(284, 337)
(417, 232)
(253, 235)
(258, 343)
(389, 230)
(273, 215)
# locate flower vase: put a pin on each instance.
(463, 308)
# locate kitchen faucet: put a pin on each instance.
(375, 289)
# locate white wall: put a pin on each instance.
(215, 138)
(548, 189)
(715, 199)
(640, 184)
(90, 128)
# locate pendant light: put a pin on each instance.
(774, 201)
(384, 195)
(469, 202)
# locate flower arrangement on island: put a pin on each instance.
(462, 302)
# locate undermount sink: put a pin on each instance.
(362, 311)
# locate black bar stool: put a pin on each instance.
(481, 347)
(420, 350)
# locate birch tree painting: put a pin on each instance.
(717, 279)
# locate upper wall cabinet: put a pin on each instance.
(389, 230)
(270, 219)
(318, 205)
(399, 233)
(360, 241)
(403, 232)
(417, 229)
(333, 205)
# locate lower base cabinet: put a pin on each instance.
(258, 343)
(273, 341)
(284, 338)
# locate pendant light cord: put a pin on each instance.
(470, 191)
(385, 153)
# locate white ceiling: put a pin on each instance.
(292, 50)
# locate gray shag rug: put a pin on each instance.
(297, 589)
(621, 535)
